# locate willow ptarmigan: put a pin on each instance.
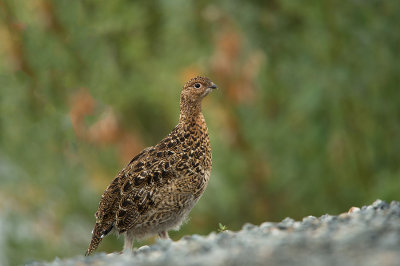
(157, 189)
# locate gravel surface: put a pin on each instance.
(367, 236)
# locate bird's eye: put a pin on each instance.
(197, 85)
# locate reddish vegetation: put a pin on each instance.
(107, 130)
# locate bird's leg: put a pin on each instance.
(128, 244)
(163, 235)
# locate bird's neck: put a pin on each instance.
(198, 119)
(190, 112)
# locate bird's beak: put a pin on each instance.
(209, 89)
(213, 86)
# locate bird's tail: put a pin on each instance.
(97, 236)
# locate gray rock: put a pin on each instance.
(368, 236)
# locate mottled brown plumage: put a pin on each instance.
(157, 189)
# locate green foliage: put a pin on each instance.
(306, 120)
(222, 227)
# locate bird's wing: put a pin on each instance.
(146, 177)
(109, 203)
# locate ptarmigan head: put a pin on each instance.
(192, 93)
(197, 88)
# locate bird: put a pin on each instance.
(158, 188)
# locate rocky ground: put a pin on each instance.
(366, 236)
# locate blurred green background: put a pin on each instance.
(306, 121)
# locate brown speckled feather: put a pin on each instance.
(157, 189)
